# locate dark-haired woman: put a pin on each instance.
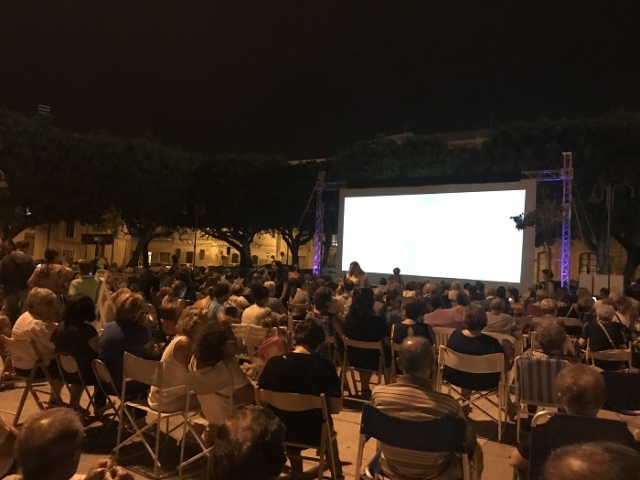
(214, 365)
(321, 313)
(303, 371)
(362, 325)
(76, 336)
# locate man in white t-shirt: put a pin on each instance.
(257, 313)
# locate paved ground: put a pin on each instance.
(99, 443)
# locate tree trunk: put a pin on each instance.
(142, 249)
(245, 253)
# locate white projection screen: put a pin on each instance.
(443, 232)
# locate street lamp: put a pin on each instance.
(608, 191)
(198, 211)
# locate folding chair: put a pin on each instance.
(446, 434)
(395, 349)
(148, 372)
(442, 335)
(611, 355)
(16, 349)
(477, 364)
(294, 402)
(509, 344)
(347, 367)
(561, 430)
(572, 325)
(329, 340)
(68, 367)
(240, 331)
(108, 389)
(254, 336)
(536, 383)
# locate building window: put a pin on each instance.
(201, 254)
(165, 257)
(588, 263)
(235, 258)
(70, 229)
(189, 257)
(69, 255)
(254, 259)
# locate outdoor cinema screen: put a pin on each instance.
(445, 232)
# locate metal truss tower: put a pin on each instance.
(564, 175)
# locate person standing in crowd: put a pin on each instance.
(51, 274)
(357, 276)
(396, 277)
(16, 269)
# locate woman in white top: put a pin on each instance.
(43, 311)
(222, 386)
(176, 358)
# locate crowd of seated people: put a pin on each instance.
(205, 344)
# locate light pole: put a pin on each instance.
(198, 211)
(609, 192)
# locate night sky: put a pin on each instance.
(306, 78)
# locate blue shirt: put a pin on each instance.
(116, 340)
(214, 309)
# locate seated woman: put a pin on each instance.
(393, 308)
(551, 338)
(321, 313)
(362, 325)
(76, 336)
(303, 371)
(128, 333)
(412, 324)
(297, 295)
(471, 341)
(174, 300)
(213, 363)
(605, 334)
(176, 358)
(38, 323)
(581, 391)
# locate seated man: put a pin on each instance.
(500, 322)
(581, 391)
(601, 460)
(48, 448)
(259, 313)
(217, 310)
(249, 445)
(304, 371)
(413, 398)
(85, 285)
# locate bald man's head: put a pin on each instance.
(415, 356)
(601, 460)
(48, 445)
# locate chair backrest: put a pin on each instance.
(442, 335)
(145, 371)
(611, 355)
(16, 349)
(150, 310)
(536, 380)
(562, 430)
(446, 434)
(292, 402)
(240, 331)
(491, 363)
(571, 322)
(102, 373)
(67, 363)
(507, 341)
(363, 345)
(254, 336)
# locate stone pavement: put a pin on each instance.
(99, 444)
